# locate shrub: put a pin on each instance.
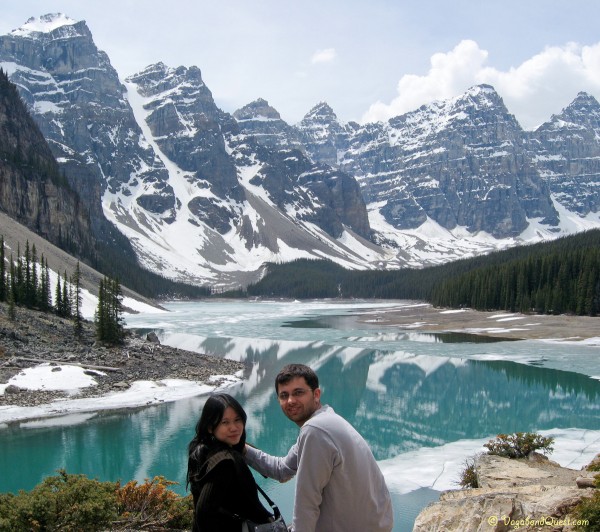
(519, 445)
(588, 510)
(594, 465)
(72, 503)
(468, 476)
(152, 506)
(63, 502)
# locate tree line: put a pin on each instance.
(561, 276)
(560, 282)
(26, 281)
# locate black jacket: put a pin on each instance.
(225, 493)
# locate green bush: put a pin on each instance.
(594, 466)
(588, 510)
(72, 503)
(63, 502)
(519, 445)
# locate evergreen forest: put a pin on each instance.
(557, 277)
(25, 282)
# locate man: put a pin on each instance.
(339, 486)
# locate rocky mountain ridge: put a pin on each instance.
(208, 197)
(196, 198)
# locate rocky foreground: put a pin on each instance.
(35, 337)
(533, 494)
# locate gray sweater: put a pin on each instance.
(339, 486)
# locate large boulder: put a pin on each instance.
(531, 494)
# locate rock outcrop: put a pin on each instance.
(533, 494)
(32, 189)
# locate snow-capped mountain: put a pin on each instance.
(208, 197)
(77, 100)
(267, 127)
(459, 162)
(456, 176)
(566, 151)
(198, 199)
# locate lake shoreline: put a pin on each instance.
(46, 371)
(423, 317)
(151, 373)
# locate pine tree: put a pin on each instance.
(58, 303)
(3, 291)
(18, 279)
(77, 300)
(66, 300)
(34, 301)
(109, 320)
(44, 296)
(12, 314)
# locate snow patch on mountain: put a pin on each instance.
(43, 24)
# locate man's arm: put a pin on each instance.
(280, 468)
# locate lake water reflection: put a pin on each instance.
(403, 391)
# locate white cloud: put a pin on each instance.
(323, 56)
(532, 91)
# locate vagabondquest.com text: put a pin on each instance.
(540, 521)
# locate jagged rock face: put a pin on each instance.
(316, 193)
(187, 125)
(78, 102)
(323, 134)
(32, 190)
(201, 139)
(265, 124)
(566, 150)
(339, 201)
(458, 162)
(157, 152)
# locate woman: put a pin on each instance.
(223, 488)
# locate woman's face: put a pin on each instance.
(230, 428)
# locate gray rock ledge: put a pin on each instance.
(530, 494)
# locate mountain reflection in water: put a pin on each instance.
(404, 391)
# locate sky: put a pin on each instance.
(368, 59)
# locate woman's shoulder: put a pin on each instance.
(218, 455)
(223, 456)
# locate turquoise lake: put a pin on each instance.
(424, 402)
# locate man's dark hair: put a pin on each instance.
(291, 371)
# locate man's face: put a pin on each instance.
(297, 400)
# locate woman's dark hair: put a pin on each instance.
(203, 440)
(291, 371)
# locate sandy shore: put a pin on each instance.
(424, 317)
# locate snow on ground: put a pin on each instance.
(72, 378)
(52, 378)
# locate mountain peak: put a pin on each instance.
(584, 99)
(44, 24)
(482, 93)
(482, 88)
(257, 110)
(582, 112)
(320, 111)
